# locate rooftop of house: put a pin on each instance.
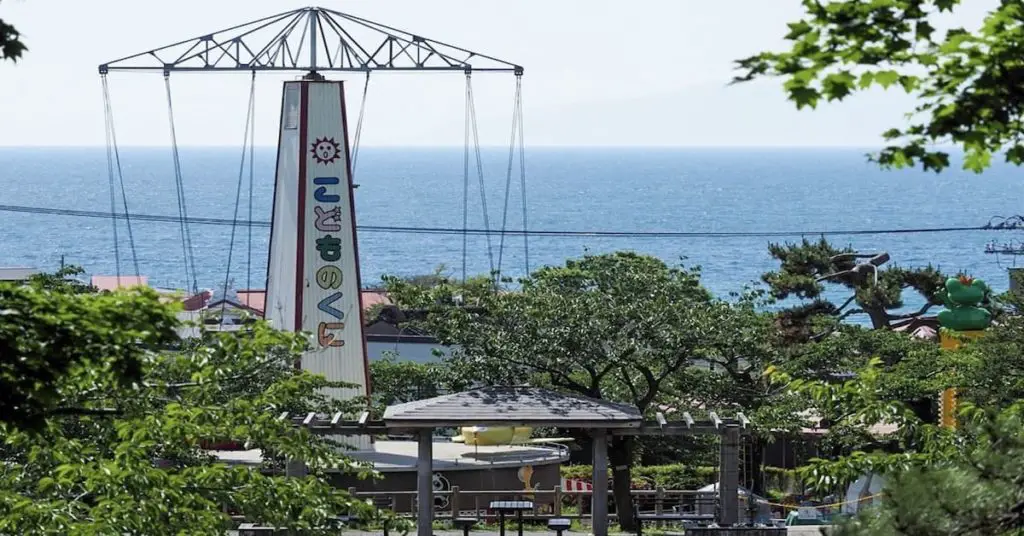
(922, 327)
(256, 299)
(113, 282)
(16, 273)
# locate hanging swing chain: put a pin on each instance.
(480, 174)
(465, 187)
(186, 232)
(110, 173)
(114, 163)
(522, 174)
(249, 120)
(359, 127)
(252, 173)
(508, 176)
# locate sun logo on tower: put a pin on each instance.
(326, 150)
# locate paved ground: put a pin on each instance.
(793, 531)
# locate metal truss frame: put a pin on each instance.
(313, 39)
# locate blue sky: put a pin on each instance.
(598, 73)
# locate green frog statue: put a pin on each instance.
(962, 297)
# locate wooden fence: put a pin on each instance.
(546, 503)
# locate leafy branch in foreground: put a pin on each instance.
(966, 84)
(979, 491)
(862, 404)
(55, 331)
(110, 456)
(11, 47)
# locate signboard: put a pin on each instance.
(807, 512)
(313, 272)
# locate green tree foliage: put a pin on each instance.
(396, 381)
(977, 492)
(729, 377)
(971, 468)
(966, 83)
(807, 267)
(11, 47)
(117, 449)
(57, 328)
(616, 326)
(871, 431)
(990, 371)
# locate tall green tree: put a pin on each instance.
(808, 268)
(615, 326)
(729, 377)
(965, 81)
(11, 47)
(108, 455)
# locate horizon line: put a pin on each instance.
(484, 146)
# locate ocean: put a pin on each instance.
(799, 192)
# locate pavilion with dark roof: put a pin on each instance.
(537, 407)
(512, 406)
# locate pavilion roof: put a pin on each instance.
(512, 406)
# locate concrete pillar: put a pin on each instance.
(425, 484)
(729, 476)
(599, 506)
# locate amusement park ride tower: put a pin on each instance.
(313, 281)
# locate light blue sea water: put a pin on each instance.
(793, 190)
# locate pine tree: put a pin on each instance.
(808, 269)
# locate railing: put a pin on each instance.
(547, 503)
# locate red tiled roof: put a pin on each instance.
(197, 301)
(112, 282)
(373, 297)
(256, 299)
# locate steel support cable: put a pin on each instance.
(110, 175)
(522, 175)
(480, 173)
(508, 175)
(186, 232)
(359, 127)
(120, 174)
(465, 187)
(252, 173)
(238, 189)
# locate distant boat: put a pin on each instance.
(1004, 249)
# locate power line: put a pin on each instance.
(513, 232)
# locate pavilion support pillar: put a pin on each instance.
(729, 476)
(425, 484)
(599, 504)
